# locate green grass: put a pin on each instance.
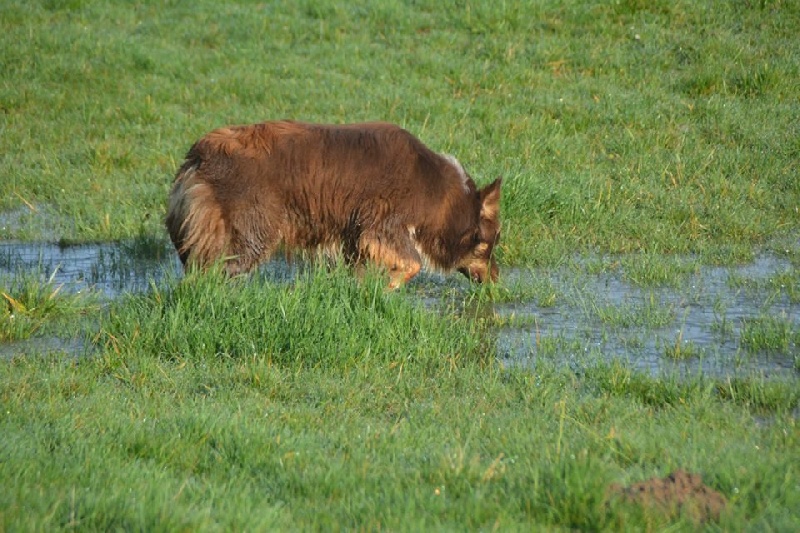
(680, 349)
(771, 333)
(646, 127)
(31, 304)
(651, 314)
(321, 310)
(779, 284)
(656, 270)
(521, 288)
(329, 403)
(666, 131)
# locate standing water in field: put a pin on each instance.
(721, 321)
(111, 268)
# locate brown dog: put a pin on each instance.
(371, 191)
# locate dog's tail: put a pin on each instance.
(195, 219)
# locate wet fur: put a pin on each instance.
(372, 191)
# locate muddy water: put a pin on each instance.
(702, 319)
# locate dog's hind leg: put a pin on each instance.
(248, 248)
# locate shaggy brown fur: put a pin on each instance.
(372, 191)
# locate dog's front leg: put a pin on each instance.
(394, 251)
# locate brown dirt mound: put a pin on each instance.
(679, 492)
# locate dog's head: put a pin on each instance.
(478, 263)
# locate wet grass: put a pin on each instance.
(624, 127)
(663, 131)
(522, 288)
(314, 400)
(321, 309)
(649, 270)
(325, 402)
(33, 305)
(651, 314)
(681, 349)
(781, 284)
(761, 395)
(643, 269)
(771, 333)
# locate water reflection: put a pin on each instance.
(112, 268)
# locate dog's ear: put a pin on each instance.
(490, 199)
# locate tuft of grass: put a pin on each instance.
(650, 314)
(656, 270)
(722, 326)
(522, 287)
(770, 333)
(765, 396)
(30, 304)
(680, 349)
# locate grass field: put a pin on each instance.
(656, 137)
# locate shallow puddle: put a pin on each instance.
(76, 347)
(112, 268)
(697, 327)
